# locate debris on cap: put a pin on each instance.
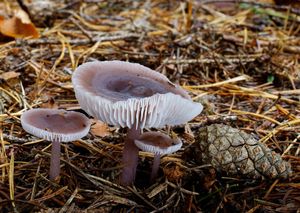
(237, 153)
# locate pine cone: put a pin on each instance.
(238, 153)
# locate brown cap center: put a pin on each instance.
(126, 86)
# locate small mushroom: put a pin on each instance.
(134, 96)
(56, 126)
(158, 144)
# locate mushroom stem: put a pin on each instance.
(130, 156)
(155, 167)
(55, 160)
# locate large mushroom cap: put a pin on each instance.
(127, 94)
(158, 143)
(55, 125)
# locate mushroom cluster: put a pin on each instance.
(131, 95)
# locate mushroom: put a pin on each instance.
(55, 125)
(134, 96)
(158, 144)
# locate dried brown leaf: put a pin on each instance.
(100, 129)
(18, 26)
(9, 75)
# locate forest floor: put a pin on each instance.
(240, 60)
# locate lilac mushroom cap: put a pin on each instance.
(56, 126)
(134, 96)
(158, 144)
(127, 94)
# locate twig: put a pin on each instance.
(257, 3)
(63, 209)
(168, 203)
(84, 31)
(84, 41)
(181, 189)
(208, 61)
(14, 139)
(141, 197)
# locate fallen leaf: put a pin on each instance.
(99, 129)
(18, 26)
(9, 75)
(23, 16)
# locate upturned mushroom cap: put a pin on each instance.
(127, 94)
(158, 143)
(55, 125)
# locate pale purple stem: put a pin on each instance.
(155, 167)
(130, 157)
(55, 160)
